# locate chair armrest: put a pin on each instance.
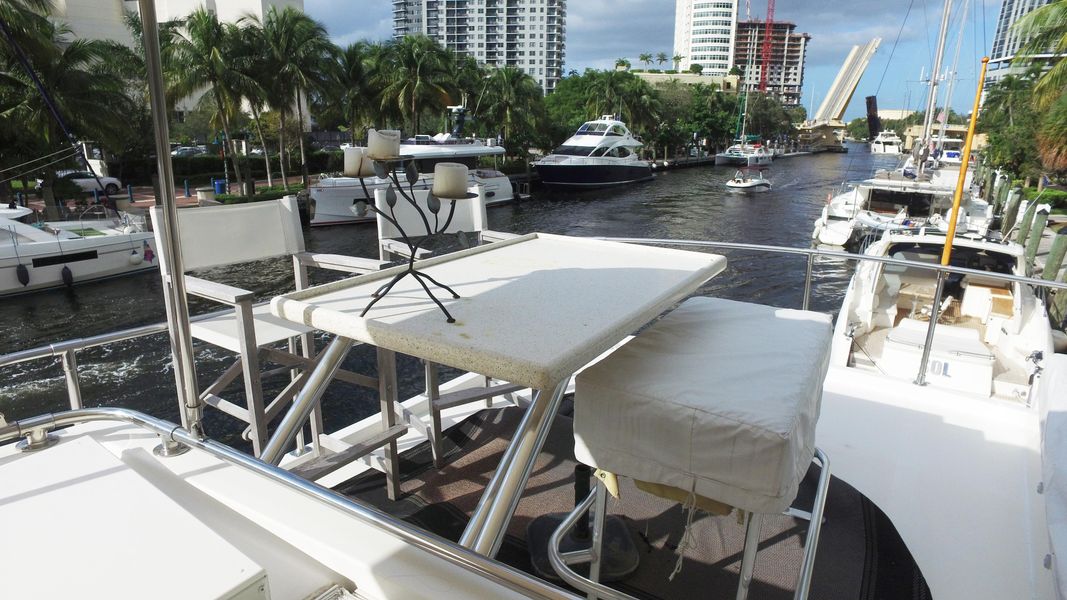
(219, 292)
(401, 249)
(489, 236)
(339, 262)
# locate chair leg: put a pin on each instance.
(388, 397)
(748, 556)
(253, 386)
(433, 392)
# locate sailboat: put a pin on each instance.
(746, 150)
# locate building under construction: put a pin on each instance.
(785, 71)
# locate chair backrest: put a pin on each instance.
(469, 215)
(225, 235)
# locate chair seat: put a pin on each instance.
(718, 398)
(222, 330)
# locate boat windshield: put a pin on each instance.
(597, 128)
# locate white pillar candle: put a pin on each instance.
(357, 163)
(384, 143)
(450, 180)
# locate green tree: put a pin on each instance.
(646, 58)
(304, 60)
(622, 63)
(197, 58)
(661, 58)
(696, 68)
(1011, 123)
(356, 92)
(513, 100)
(417, 78)
(1045, 29)
(74, 73)
(677, 58)
(857, 128)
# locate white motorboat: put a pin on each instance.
(886, 142)
(893, 201)
(334, 196)
(602, 153)
(96, 245)
(745, 181)
(745, 155)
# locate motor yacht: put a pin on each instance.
(334, 195)
(895, 201)
(94, 244)
(602, 153)
(886, 142)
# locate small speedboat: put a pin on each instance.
(746, 182)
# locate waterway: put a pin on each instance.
(684, 204)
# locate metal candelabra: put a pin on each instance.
(386, 168)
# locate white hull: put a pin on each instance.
(87, 258)
(334, 196)
(749, 186)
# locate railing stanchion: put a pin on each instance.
(935, 313)
(70, 373)
(807, 280)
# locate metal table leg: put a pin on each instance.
(485, 532)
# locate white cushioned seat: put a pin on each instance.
(719, 398)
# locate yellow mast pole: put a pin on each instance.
(946, 255)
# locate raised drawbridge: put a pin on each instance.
(822, 133)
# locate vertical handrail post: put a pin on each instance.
(70, 373)
(807, 280)
(935, 313)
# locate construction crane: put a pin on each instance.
(765, 69)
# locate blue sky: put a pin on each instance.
(599, 31)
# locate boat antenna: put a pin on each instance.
(20, 56)
(935, 74)
(181, 341)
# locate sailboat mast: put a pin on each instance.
(935, 74)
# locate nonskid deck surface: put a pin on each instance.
(860, 554)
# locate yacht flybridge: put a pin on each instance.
(602, 153)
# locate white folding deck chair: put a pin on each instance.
(226, 235)
(470, 219)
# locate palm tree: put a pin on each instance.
(198, 58)
(661, 58)
(73, 73)
(354, 90)
(646, 58)
(253, 61)
(1046, 30)
(677, 58)
(417, 78)
(622, 63)
(512, 99)
(304, 57)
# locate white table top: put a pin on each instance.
(532, 310)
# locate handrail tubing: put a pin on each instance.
(842, 255)
(58, 348)
(441, 548)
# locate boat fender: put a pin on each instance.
(68, 276)
(23, 274)
(135, 257)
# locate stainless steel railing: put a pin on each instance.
(66, 350)
(170, 433)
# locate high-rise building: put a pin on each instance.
(526, 34)
(704, 34)
(785, 76)
(1007, 41)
